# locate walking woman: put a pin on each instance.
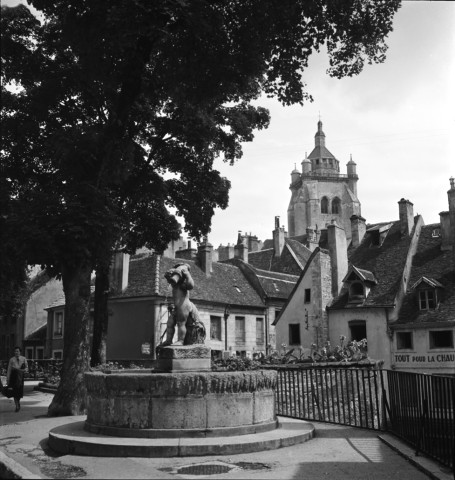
(17, 366)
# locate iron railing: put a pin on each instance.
(418, 408)
(343, 395)
(421, 412)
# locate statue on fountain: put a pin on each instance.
(184, 317)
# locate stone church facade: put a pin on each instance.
(320, 193)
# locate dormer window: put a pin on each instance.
(427, 300)
(359, 284)
(428, 293)
(378, 233)
(356, 288)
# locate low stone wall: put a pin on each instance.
(179, 401)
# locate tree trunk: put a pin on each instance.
(101, 316)
(70, 398)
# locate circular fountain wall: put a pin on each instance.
(184, 403)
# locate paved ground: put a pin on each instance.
(336, 453)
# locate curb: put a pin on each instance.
(9, 468)
(424, 464)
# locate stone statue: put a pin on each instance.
(190, 330)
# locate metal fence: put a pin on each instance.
(416, 407)
(421, 411)
(347, 396)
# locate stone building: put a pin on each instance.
(236, 302)
(320, 193)
(394, 285)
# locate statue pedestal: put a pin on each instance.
(183, 358)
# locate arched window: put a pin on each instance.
(324, 205)
(336, 205)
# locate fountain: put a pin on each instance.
(181, 408)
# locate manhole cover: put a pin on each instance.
(204, 469)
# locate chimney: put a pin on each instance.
(406, 216)
(358, 229)
(448, 220)
(189, 253)
(118, 274)
(225, 253)
(338, 255)
(241, 251)
(312, 238)
(278, 238)
(253, 243)
(205, 257)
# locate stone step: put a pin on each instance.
(72, 439)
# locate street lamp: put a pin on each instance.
(227, 312)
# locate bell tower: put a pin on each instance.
(321, 194)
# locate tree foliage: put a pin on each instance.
(114, 112)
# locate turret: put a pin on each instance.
(295, 175)
(319, 138)
(352, 174)
(306, 165)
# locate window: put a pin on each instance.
(307, 295)
(427, 300)
(294, 334)
(39, 353)
(215, 328)
(356, 288)
(356, 292)
(358, 329)
(259, 331)
(29, 353)
(58, 324)
(436, 232)
(336, 205)
(57, 354)
(239, 329)
(324, 205)
(404, 341)
(441, 339)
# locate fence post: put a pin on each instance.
(422, 424)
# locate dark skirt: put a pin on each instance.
(16, 381)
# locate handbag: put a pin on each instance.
(8, 392)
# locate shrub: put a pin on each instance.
(235, 364)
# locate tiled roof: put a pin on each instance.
(261, 259)
(301, 252)
(429, 261)
(276, 285)
(60, 302)
(363, 274)
(38, 334)
(293, 258)
(385, 262)
(320, 152)
(226, 284)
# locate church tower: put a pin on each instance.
(321, 193)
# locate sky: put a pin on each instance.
(396, 119)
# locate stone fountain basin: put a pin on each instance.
(155, 405)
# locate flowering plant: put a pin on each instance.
(353, 351)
